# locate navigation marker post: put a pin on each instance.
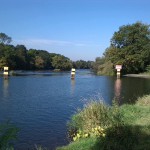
(6, 72)
(73, 72)
(118, 67)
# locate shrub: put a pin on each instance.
(106, 69)
(95, 114)
(148, 68)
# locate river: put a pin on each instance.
(41, 103)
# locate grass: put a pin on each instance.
(39, 147)
(93, 114)
(83, 144)
(126, 127)
(144, 101)
(8, 133)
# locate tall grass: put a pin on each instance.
(95, 114)
(92, 115)
(39, 147)
(8, 133)
(143, 101)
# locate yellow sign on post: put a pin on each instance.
(6, 71)
(6, 68)
(73, 72)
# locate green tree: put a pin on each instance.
(46, 57)
(130, 46)
(98, 62)
(3, 62)
(18, 57)
(61, 62)
(81, 64)
(39, 62)
(40, 59)
(21, 57)
(8, 57)
(5, 39)
(90, 64)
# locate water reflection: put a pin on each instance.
(72, 87)
(5, 87)
(118, 90)
(42, 110)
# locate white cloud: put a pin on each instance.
(42, 41)
(74, 50)
(47, 42)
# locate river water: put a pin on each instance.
(41, 103)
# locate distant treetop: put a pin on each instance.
(5, 39)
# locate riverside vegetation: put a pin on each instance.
(20, 58)
(8, 133)
(129, 47)
(101, 127)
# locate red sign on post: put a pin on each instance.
(118, 67)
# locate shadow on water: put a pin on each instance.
(35, 73)
(128, 89)
(40, 73)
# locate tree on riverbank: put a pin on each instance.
(130, 47)
(82, 64)
(4, 39)
(61, 62)
(20, 58)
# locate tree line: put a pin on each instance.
(129, 47)
(20, 58)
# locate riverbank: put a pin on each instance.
(119, 128)
(142, 75)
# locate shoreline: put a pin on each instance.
(137, 75)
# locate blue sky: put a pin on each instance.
(78, 29)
